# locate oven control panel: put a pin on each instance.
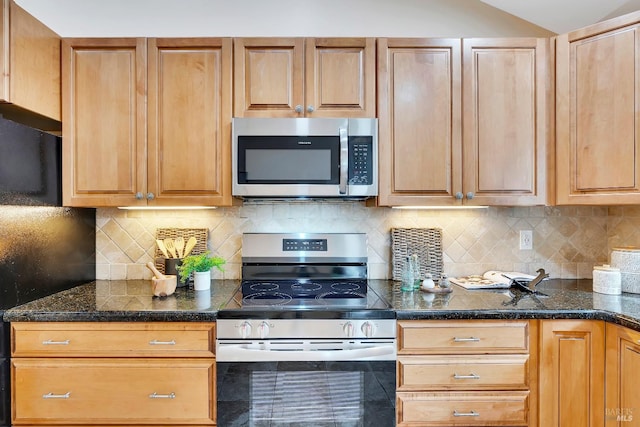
(307, 245)
(252, 329)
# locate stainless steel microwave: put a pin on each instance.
(305, 158)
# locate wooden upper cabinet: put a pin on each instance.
(304, 77)
(30, 62)
(597, 104)
(189, 121)
(505, 116)
(123, 148)
(104, 122)
(419, 128)
(482, 145)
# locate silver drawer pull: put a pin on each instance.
(465, 414)
(471, 376)
(470, 339)
(56, 396)
(156, 342)
(155, 395)
(51, 342)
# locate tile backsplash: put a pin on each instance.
(567, 241)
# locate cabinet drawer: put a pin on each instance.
(463, 373)
(108, 391)
(463, 409)
(98, 339)
(446, 337)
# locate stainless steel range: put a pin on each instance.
(304, 324)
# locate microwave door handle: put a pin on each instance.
(344, 160)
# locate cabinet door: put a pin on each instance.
(30, 64)
(340, 77)
(571, 373)
(103, 94)
(598, 138)
(505, 121)
(268, 77)
(419, 121)
(189, 149)
(623, 371)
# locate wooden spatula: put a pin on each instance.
(168, 243)
(191, 243)
(179, 245)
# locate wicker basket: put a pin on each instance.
(201, 234)
(424, 242)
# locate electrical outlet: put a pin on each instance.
(526, 239)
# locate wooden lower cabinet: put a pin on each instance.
(464, 409)
(467, 373)
(571, 373)
(623, 371)
(137, 373)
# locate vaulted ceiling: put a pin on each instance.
(561, 16)
(73, 18)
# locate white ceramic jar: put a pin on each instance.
(627, 259)
(607, 280)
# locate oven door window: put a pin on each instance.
(317, 394)
(288, 160)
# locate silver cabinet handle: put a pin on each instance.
(470, 339)
(151, 196)
(139, 196)
(470, 195)
(298, 108)
(51, 342)
(344, 160)
(155, 395)
(50, 395)
(471, 376)
(156, 342)
(310, 109)
(465, 414)
(458, 195)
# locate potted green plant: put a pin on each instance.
(200, 265)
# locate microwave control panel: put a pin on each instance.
(360, 160)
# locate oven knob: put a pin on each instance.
(263, 330)
(245, 330)
(367, 329)
(348, 329)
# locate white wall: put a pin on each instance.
(340, 18)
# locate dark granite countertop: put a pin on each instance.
(562, 299)
(105, 300)
(120, 300)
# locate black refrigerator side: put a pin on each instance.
(44, 247)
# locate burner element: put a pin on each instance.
(306, 286)
(346, 294)
(268, 298)
(264, 287)
(345, 286)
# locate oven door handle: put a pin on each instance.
(253, 352)
(344, 160)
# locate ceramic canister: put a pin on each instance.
(627, 259)
(607, 280)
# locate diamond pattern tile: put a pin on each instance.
(568, 241)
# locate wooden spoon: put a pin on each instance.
(179, 245)
(191, 243)
(160, 244)
(155, 271)
(168, 243)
